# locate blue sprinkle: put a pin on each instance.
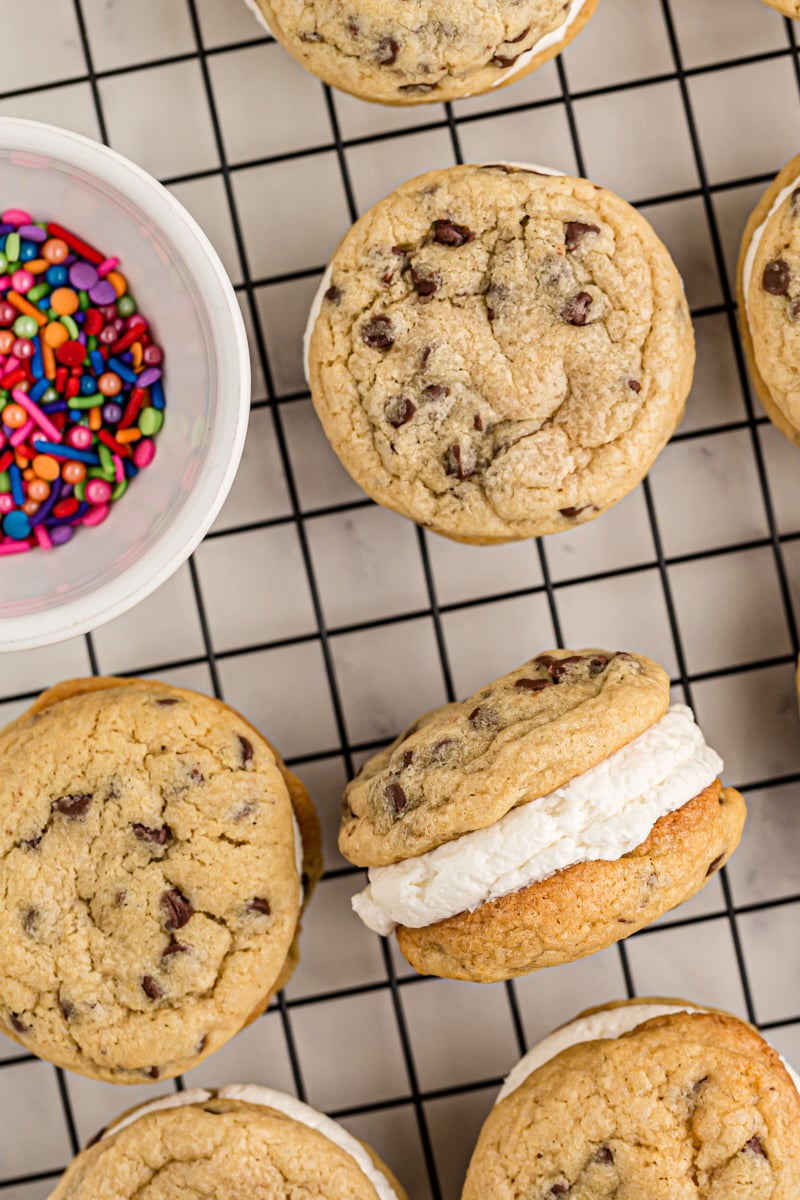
(124, 372)
(59, 451)
(56, 276)
(37, 366)
(157, 395)
(38, 390)
(16, 484)
(130, 469)
(98, 362)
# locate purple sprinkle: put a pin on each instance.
(102, 293)
(76, 516)
(44, 510)
(32, 233)
(83, 276)
(61, 534)
(4, 228)
(148, 377)
(112, 413)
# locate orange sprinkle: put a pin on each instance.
(118, 282)
(73, 472)
(95, 419)
(124, 436)
(38, 489)
(37, 266)
(55, 251)
(46, 467)
(30, 507)
(48, 360)
(55, 334)
(24, 306)
(138, 354)
(65, 301)
(21, 461)
(29, 474)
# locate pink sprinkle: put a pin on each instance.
(16, 216)
(33, 411)
(11, 364)
(119, 470)
(96, 515)
(14, 547)
(5, 283)
(80, 437)
(107, 265)
(19, 435)
(6, 503)
(43, 537)
(144, 453)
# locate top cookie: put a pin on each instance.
(691, 1106)
(224, 1148)
(148, 873)
(769, 298)
(500, 353)
(463, 766)
(427, 50)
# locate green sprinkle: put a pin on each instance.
(150, 421)
(106, 459)
(91, 344)
(71, 328)
(12, 247)
(120, 489)
(80, 491)
(3, 262)
(37, 292)
(126, 306)
(93, 401)
(5, 482)
(83, 301)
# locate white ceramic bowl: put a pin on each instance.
(181, 287)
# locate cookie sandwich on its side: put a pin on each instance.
(499, 352)
(769, 298)
(553, 813)
(156, 858)
(647, 1099)
(236, 1142)
(426, 52)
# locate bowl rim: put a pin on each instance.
(178, 541)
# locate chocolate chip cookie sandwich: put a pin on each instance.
(554, 812)
(156, 856)
(425, 52)
(651, 1100)
(769, 299)
(498, 352)
(239, 1141)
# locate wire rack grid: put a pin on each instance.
(332, 623)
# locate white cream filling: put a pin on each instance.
(288, 1105)
(756, 240)
(325, 282)
(546, 43)
(604, 813)
(610, 1023)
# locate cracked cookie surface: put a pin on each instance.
(218, 1148)
(500, 353)
(463, 766)
(149, 889)
(685, 1107)
(425, 51)
(769, 313)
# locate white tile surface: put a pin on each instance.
(367, 562)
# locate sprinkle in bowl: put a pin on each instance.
(179, 283)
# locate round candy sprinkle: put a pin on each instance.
(81, 389)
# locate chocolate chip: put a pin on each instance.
(777, 278)
(120, 898)
(795, 309)
(67, 1008)
(201, 1045)
(395, 796)
(425, 280)
(425, 356)
(72, 806)
(477, 422)
(174, 948)
(502, 60)
(454, 463)
(151, 988)
(333, 295)
(447, 233)
(417, 89)
(436, 391)
(754, 1146)
(574, 512)
(399, 411)
(378, 333)
(17, 1025)
(408, 758)
(158, 837)
(388, 50)
(259, 905)
(519, 37)
(576, 310)
(560, 1189)
(557, 668)
(179, 910)
(167, 702)
(30, 920)
(697, 1086)
(483, 718)
(353, 28)
(604, 1155)
(533, 685)
(152, 1072)
(33, 843)
(439, 749)
(311, 37)
(597, 664)
(575, 232)
(634, 385)
(713, 866)
(246, 749)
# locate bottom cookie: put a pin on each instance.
(238, 1141)
(585, 907)
(651, 1100)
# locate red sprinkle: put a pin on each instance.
(65, 508)
(62, 374)
(75, 243)
(137, 399)
(6, 459)
(71, 354)
(113, 444)
(13, 378)
(92, 323)
(72, 388)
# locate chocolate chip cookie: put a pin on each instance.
(556, 811)
(427, 51)
(769, 299)
(789, 8)
(500, 353)
(653, 1100)
(237, 1142)
(156, 855)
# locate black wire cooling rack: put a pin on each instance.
(453, 121)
